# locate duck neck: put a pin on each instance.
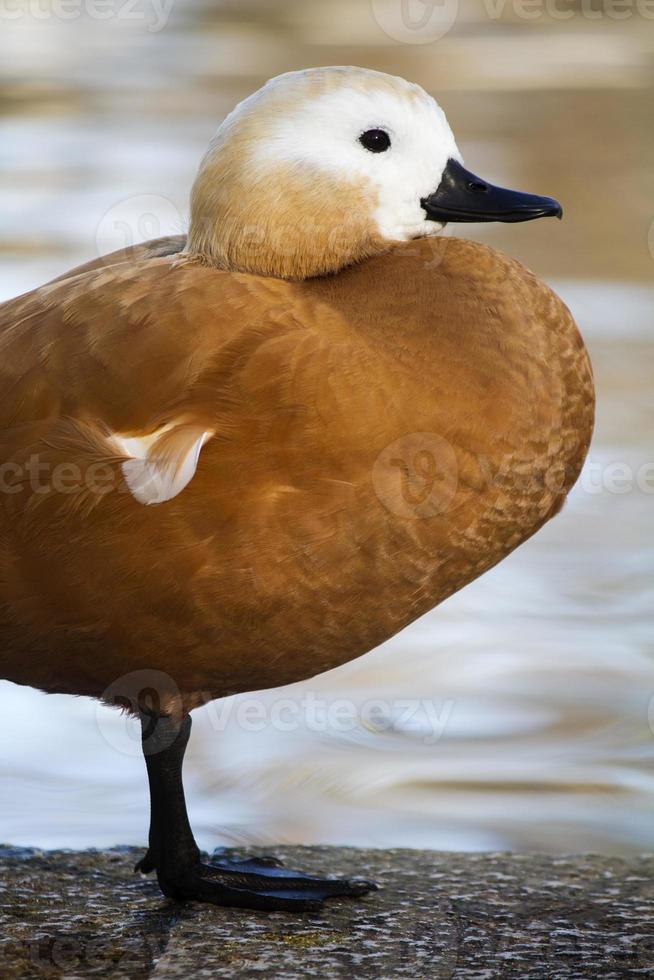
(295, 228)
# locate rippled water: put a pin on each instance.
(519, 713)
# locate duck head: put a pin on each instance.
(325, 167)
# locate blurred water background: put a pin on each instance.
(540, 675)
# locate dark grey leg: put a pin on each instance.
(256, 883)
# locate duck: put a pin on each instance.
(239, 457)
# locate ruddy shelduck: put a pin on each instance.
(236, 459)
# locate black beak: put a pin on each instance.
(463, 197)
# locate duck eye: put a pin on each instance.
(375, 140)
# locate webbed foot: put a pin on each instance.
(258, 883)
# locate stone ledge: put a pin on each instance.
(438, 915)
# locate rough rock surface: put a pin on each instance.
(85, 914)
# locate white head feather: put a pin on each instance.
(322, 133)
(287, 167)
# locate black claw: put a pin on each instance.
(360, 886)
(145, 865)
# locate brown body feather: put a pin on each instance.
(302, 540)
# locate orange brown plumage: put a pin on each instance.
(284, 556)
